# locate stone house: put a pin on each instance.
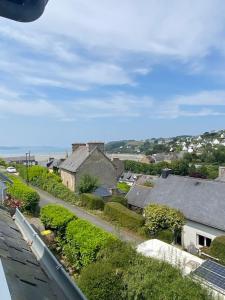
(201, 201)
(88, 159)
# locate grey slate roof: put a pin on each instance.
(73, 162)
(200, 200)
(24, 276)
(138, 195)
(103, 192)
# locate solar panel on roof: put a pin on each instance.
(213, 273)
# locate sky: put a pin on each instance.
(110, 69)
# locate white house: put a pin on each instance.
(201, 201)
(216, 142)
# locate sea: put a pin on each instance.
(40, 152)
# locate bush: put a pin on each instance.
(119, 199)
(28, 197)
(137, 277)
(87, 184)
(151, 279)
(123, 186)
(84, 241)
(217, 248)
(92, 202)
(56, 217)
(101, 281)
(159, 217)
(165, 235)
(124, 216)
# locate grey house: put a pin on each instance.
(89, 159)
(201, 201)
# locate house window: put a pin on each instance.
(203, 241)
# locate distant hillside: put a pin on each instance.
(172, 144)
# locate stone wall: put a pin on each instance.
(98, 165)
(68, 179)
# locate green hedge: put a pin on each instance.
(56, 217)
(119, 199)
(83, 242)
(91, 201)
(217, 248)
(50, 182)
(101, 281)
(121, 273)
(27, 196)
(123, 215)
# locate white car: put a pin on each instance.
(11, 170)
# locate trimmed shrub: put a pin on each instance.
(101, 281)
(165, 235)
(119, 199)
(56, 217)
(28, 197)
(124, 216)
(91, 201)
(159, 217)
(217, 248)
(84, 241)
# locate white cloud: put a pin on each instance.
(204, 103)
(182, 29)
(38, 108)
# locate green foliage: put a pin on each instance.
(28, 197)
(143, 168)
(151, 279)
(50, 182)
(119, 199)
(84, 241)
(135, 277)
(123, 186)
(165, 235)
(179, 167)
(101, 281)
(87, 184)
(92, 202)
(159, 217)
(124, 216)
(217, 248)
(56, 217)
(2, 162)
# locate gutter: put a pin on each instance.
(47, 260)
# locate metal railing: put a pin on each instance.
(50, 264)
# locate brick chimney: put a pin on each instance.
(75, 146)
(92, 145)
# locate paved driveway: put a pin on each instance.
(124, 235)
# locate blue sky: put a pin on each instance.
(106, 70)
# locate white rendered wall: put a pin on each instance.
(191, 230)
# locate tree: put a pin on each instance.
(87, 184)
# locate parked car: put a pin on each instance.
(11, 170)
